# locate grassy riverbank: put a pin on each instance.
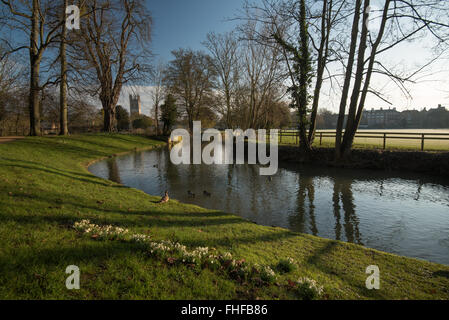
(45, 188)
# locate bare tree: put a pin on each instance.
(33, 20)
(262, 75)
(158, 91)
(190, 78)
(284, 20)
(63, 122)
(327, 20)
(300, 74)
(348, 75)
(224, 49)
(400, 21)
(11, 74)
(112, 50)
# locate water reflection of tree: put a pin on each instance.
(418, 192)
(254, 187)
(306, 191)
(229, 187)
(113, 171)
(343, 193)
(138, 162)
(161, 165)
(172, 172)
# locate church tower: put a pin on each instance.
(134, 105)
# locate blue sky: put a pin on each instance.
(185, 23)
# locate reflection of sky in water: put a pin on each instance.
(406, 214)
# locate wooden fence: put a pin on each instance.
(384, 136)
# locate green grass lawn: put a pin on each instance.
(45, 188)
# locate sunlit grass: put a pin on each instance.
(377, 143)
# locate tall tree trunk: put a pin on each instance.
(228, 111)
(33, 103)
(109, 120)
(190, 119)
(323, 53)
(156, 111)
(348, 75)
(350, 125)
(108, 103)
(352, 131)
(304, 80)
(63, 128)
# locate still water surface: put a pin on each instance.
(405, 214)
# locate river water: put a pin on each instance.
(405, 214)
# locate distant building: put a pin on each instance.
(383, 118)
(411, 119)
(436, 118)
(134, 105)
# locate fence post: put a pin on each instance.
(385, 141)
(321, 138)
(297, 137)
(280, 136)
(422, 142)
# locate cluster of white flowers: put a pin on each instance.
(197, 257)
(233, 263)
(266, 273)
(107, 231)
(159, 248)
(179, 248)
(226, 256)
(190, 257)
(267, 270)
(244, 271)
(212, 259)
(83, 225)
(140, 238)
(311, 284)
(201, 252)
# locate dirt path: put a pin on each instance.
(8, 139)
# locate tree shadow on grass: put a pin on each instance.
(63, 255)
(322, 257)
(145, 221)
(47, 145)
(62, 173)
(153, 209)
(441, 273)
(117, 148)
(234, 241)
